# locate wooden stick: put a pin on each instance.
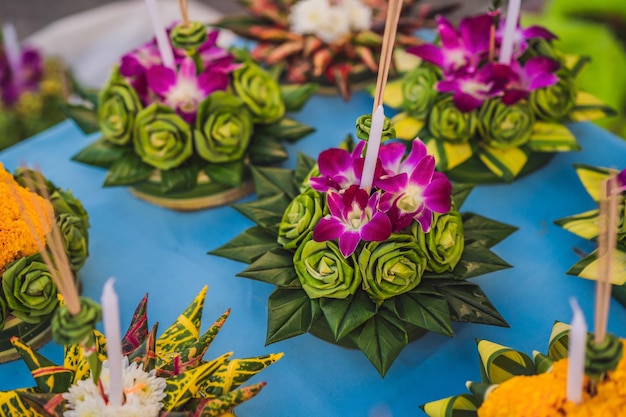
(386, 53)
(59, 260)
(183, 5)
(607, 241)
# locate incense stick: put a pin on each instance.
(607, 241)
(386, 53)
(183, 5)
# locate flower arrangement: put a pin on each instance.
(29, 294)
(190, 129)
(162, 376)
(333, 43)
(515, 385)
(370, 269)
(32, 92)
(586, 225)
(487, 119)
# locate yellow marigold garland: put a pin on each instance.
(544, 395)
(15, 236)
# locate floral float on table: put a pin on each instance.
(488, 121)
(371, 270)
(515, 385)
(586, 226)
(162, 376)
(29, 295)
(185, 136)
(32, 91)
(332, 43)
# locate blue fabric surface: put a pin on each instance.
(154, 250)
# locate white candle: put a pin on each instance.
(111, 321)
(373, 144)
(510, 29)
(12, 49)
(576, 361)
(165, 48)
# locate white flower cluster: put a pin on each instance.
(330, 20)
(143, 392)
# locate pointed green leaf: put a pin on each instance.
(558, 346)
(291, 313)
(343, 316)
(463, 405)
(460, 192)
(286, 129)
(588, 267)
(407, 127)
(500, 363)
(381, 339)
(552, 137)
(248, 246)
(426, 309)
(468, 303)
(265, 150)
(270, 181)
(101, 153)
(85, 118)
(589, 107)
(504, 163)
(486, 231)
(543, 363)
(448, 155)
(584, 224)
(476, 260)
(592, 177)
(304, 165)
(274, 267)
(296, 95)
(229, 173)
(267, 212)
(184, 177)
(128, 169)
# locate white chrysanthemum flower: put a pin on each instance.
(144, 392)
(308, 15)
(359, 15)
(335, 25)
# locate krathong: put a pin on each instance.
(514, 384)
(162, 376)
(369, 269)
(32, 90)
(29, 294)
(586, 225)
(185, 135)
(486, 120)
(333, 43)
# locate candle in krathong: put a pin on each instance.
(373, 145)
(111, 321)
(576, 361)
(510, 31)
(12, 48)
(165, 48)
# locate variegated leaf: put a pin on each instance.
(500, 363)
(589, 107)
(558, 346)
(584, 224)
(49, 376)
(407, 127)
(592, 178)
(552, 137)
(448, 155)
(463, 405)
(588, 267)
(505, 163)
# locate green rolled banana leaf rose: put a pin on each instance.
(162, 138)
(188, 35)
(65, 202)
(447, 122)
(300, 218)
(444, 244)
(505, 126)
(260, 92)
(68, 329)
(555, 102)
(418, 91)
(117, 110)
(75, 239)
(391, 267)
(364, 124)
(324, 272)
(29, 289)
(223, 128)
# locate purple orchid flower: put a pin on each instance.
(184, 90)
(354, 216)
(621, 180)
(339, 169)
(522, 36)
(538, 72)
(27, 79)
(417, 189)
(471, 89)
(460, 50)
(135, 65)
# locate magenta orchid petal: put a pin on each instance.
(475, 32)
(542, 81)
(348, 242)
(161, 79)
(540, 64)
(428, 53)
(418, 151)
(466, 102)
(335, 203)
(377, 229)
(425, 220)
(210, 82)
(390, 156)
(437, 195)
(334, 161)
(512, 96)
(450, 38)
(393, 184)
(423, 172)
(385, 202)
(621, 180)
(328, 228)
(537, 32)
(187, 70)
(447, 86)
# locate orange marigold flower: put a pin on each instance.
(15, 235)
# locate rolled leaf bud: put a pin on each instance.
(503, 126)
(260, 92)
(418, 91)
(188, 36)
(447, 122)
(118, 105)
(364, 124)
(300, 218)
(555, 102)
(602, 357)
(443, 245)
(68, 329)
